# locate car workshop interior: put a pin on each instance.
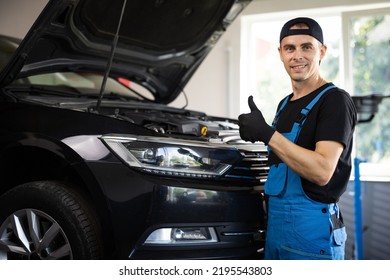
(245, 61)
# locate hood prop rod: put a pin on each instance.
(111, 58)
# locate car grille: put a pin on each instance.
(252, 167)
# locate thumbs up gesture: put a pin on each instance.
(253, 126)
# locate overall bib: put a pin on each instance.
(299, 227)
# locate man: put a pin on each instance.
(310, 143)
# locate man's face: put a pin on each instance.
(301, 56)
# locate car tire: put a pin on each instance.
(47, 220)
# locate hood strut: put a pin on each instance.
(109, 62)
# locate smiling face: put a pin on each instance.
(301, 56)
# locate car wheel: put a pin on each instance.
(47, 220)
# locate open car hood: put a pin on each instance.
(160, 43)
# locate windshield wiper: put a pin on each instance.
(117, 96)
(63, 91)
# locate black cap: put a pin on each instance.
(314, 29)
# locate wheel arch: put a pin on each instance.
(42, 160)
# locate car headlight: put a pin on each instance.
(173, 157)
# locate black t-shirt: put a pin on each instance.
(333, 118)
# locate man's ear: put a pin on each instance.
(280, 54)
(323, 50)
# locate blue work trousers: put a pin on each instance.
(298, 227)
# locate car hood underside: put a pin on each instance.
(158, 43)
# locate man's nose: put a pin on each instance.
(297, 55)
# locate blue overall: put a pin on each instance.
(299, 227)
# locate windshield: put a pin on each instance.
(87, 84)
(81, 82)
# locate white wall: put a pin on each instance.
(210, 90)
(26, 11)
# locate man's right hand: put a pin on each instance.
(253, 126)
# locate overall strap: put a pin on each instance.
(275, 121)
(305, 112)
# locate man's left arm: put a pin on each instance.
(315, 166)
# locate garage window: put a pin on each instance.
(358, 60)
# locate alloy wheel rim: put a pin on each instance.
(30, 234)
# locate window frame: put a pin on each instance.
(368, 171)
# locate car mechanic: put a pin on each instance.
(309, 144)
